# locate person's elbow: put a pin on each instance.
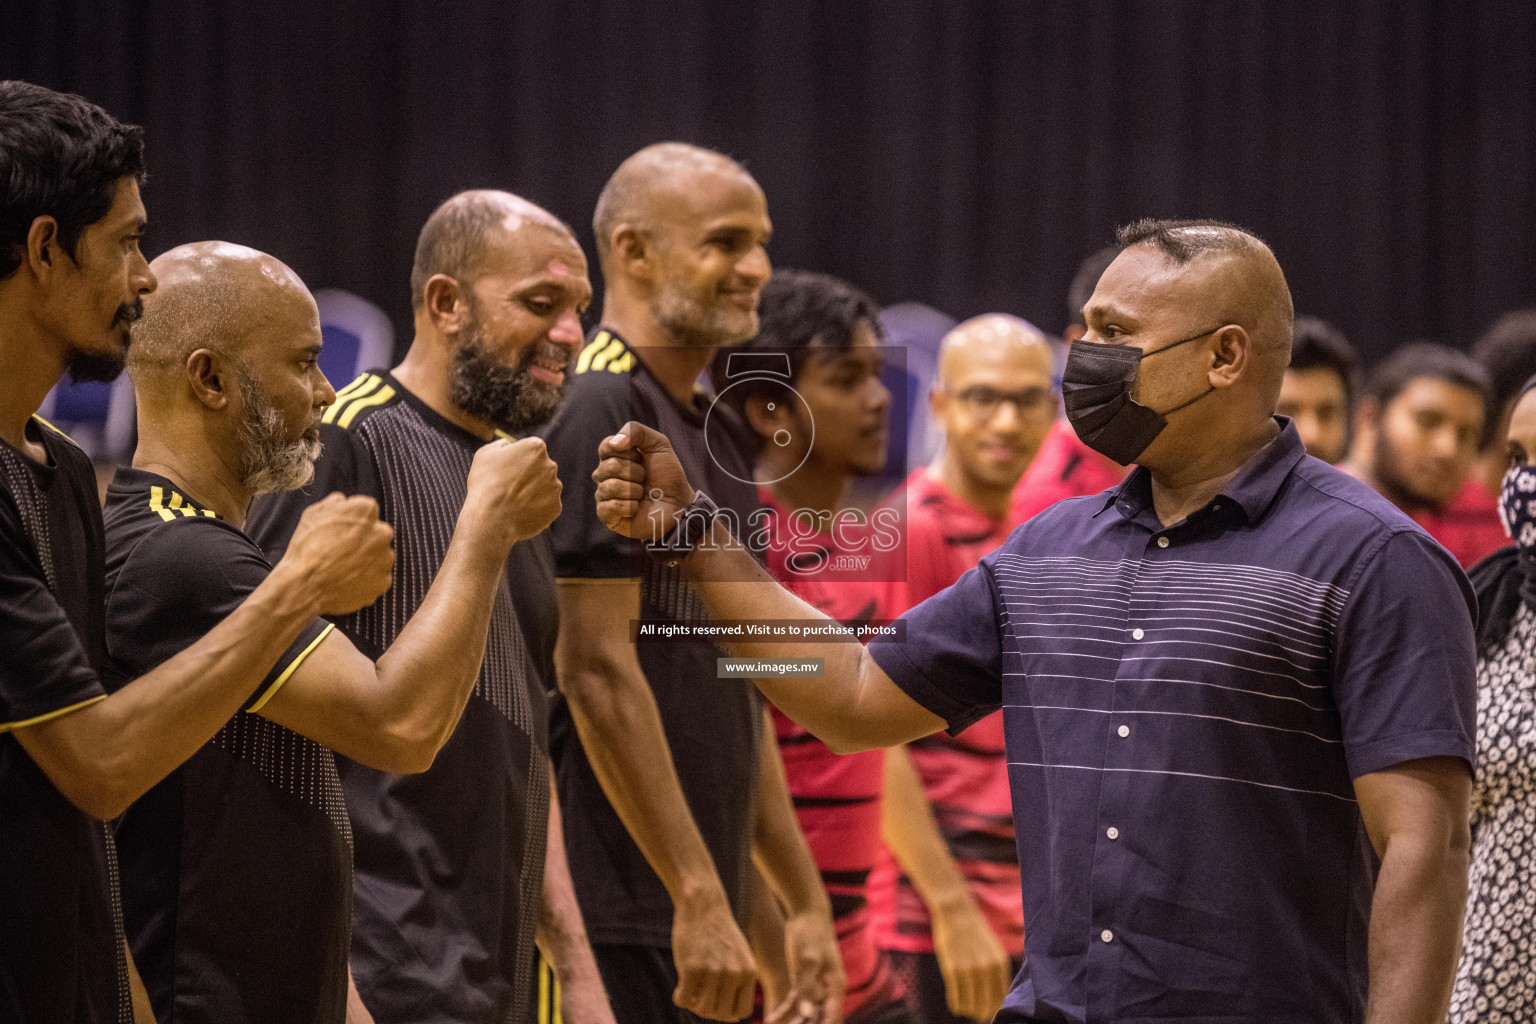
(406, 747)
(594, 679)
(99, 782)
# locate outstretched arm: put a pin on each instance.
(397, 714)
(641, 487)
(105, 755)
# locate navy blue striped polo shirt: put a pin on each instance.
(1186, 709)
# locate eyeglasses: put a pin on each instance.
(981, 401)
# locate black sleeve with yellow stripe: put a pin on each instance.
(181, 579)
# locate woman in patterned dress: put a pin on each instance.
(1496, 980)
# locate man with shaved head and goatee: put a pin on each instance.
(669, 790)
(238, 867)
(453, 885)
(72, 756)
(1237, 690)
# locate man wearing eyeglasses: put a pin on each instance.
(947, 905)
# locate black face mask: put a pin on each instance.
(1096, 393)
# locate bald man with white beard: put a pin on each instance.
(237, 868)
(1238, 690)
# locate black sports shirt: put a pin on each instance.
(236, 867)
(450, 863)
(60, 945)
(713, 726)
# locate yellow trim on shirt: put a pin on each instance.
(379, 397)
(8, 726)
(351, 388)
(292, 667)
(368, 383)
(56, 430)
(549, 995)
(167, 510)
(614, 350)
(597, 344)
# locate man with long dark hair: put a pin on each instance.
(71, 283)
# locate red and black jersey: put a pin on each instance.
(836, 796)
(965, 777)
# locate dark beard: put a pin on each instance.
(506, 396)
(106, 366)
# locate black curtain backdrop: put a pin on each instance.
(963, 153)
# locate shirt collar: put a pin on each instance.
(1252, 490)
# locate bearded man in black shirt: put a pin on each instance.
(71, 281)
(458, 871)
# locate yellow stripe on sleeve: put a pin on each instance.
(157, 503)
(597, 344)
(8, 726)
(369, 382)
(293, 667)
(623, 364)
(379, 397)
(613, 351)
(351, 389)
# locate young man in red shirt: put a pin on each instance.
(946, 899)
(808, 389)
(1417, 433)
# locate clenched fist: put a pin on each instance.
(513, 489)
(345, 552)
(640, 484)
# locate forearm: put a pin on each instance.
(621, 731)
(128, 742)
(561, 934)
(779, 848)
(912, 835)
(1415, 932)
(766, 936)
(840, 709)
(427, 675)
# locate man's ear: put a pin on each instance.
(211, 378)
(44, 250)
(1231, 355)
(938, 403)
(633, 250)
(445, 303)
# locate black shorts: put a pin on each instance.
(640, 981)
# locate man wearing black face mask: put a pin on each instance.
(1238, 688)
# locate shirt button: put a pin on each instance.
(1137, 634)
(1162, 542)
(1112, 832)
(1124, 731)
(1107, 935)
